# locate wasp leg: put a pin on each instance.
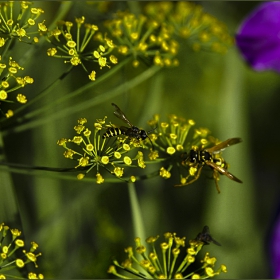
(193, 180)
(216, 177)
(223, 171)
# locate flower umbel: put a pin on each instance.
(75, 46)
(143, 38)
(95, 151)
(22, 25)
(9, 244)
(188, 20)
(164, 261)
(174, 147)
(11, 82)
(171, 140)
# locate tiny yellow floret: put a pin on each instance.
(21, 98)
(19, 263)
(99, 178)
(170, 150)
(3, 94)
(127, 160)
(80, 176)
(92, 75)
(117, 155)
(19, 243)
(105, 159)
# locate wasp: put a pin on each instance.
(197, 158)
(205, 237)
(131, 131)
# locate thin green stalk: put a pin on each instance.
(89, 103)
(153, 99)
(8, 201)
(62, 174)
(44, 92)
(63, 10)
(6, 48)
(73, 94)
(237, 202)
(138, 226)
(134, 7)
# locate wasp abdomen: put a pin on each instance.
(112, 131)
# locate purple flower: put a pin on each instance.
(258, 37)
(275, 249)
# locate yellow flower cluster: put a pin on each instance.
(21, 25)
(94, 151)
(143, 38)
(153, 35)
(170, 141)
(172, 262)
(9, 261)
(75, 45)
(170, 145)
(12, 82)
(174, 147)
(188, 20)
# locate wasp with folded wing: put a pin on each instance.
(131, 131)
(205, 237)
(197, 158)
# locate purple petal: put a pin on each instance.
(258, 38)
(275, 250)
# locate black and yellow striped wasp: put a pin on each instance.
(131, 131)
(197, 158)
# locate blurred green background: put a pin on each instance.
(80, 225)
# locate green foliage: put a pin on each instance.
(150, 58)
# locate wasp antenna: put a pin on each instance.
(151, 142)
(115, 105)
(152, 130)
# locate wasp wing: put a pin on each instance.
(223, 145)
(119, 114)
(223, 171)
(205, 237)
(124, 130)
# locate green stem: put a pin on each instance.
(153, 99)
(51, 172)
(8, 201)
(134, 7)
(233, 107)
(7, 46)
(44, 92)
(82, 106)
(138, 225)
(63, 10)
(64, 98)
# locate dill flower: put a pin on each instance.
(10, 82)
(73, 43)
(143, 38)
(9, 260)
(175, 146)
(167, 260)
(188, 20)
(171, 140)
(93, 151)
(21, 24)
